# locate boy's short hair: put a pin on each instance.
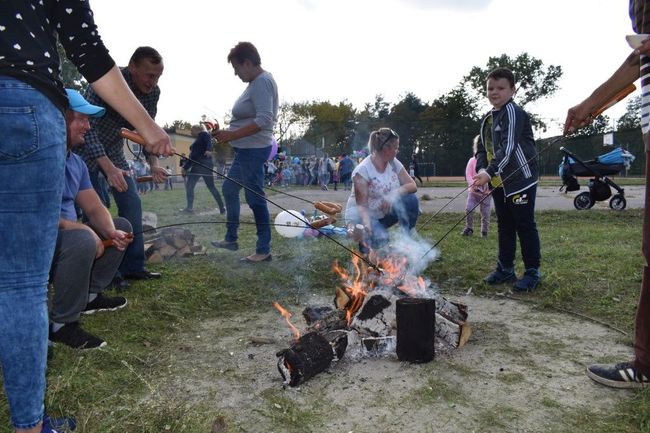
(499, 73)
(244, 51)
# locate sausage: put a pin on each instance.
(132, 135)
(328, 207)
(143, 179)
(323, 222)
(109, 242)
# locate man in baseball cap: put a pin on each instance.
(83, 267)
(78, 104)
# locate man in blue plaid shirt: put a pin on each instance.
(104, 152)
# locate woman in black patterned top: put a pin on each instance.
(32, 157)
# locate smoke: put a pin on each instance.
(464, 5)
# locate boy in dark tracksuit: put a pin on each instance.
(507, 159)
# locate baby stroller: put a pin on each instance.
(599, 169)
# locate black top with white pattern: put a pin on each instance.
(28, 34)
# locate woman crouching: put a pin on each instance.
(383, 193)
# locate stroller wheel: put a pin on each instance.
(583, 201)
(618, 202)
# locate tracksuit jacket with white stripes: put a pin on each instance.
(515, 155)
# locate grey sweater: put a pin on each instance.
(259, 104)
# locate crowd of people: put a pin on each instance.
(308, 171)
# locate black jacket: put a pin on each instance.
(515, 155)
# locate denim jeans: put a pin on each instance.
(32, 161)
(248, 169)
(405, 212)
(197, 172)
(516, 219)
(129, 206)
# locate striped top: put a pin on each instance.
(640, 16)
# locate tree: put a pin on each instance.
(330, 126)
(534, 81)
(600, 125)
(632, 117)
(404, 118)
(178, 124)
(291, 122)
(70, 75)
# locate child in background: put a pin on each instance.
(476, 195)
(287, 174)
(507, 158)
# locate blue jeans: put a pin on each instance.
(248, 169)
(404, 211)
(129, 206)
(32, 161)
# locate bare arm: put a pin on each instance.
(101, 220)
(581, 114)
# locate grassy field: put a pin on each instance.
(591, 266)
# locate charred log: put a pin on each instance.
(313, 314)
(309, 355)
(415, 329)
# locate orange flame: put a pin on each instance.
(287, 315)
(353, 286)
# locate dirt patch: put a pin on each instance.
(522, 370)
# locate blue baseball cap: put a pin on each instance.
(79, 104)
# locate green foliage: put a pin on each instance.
(632, 117)
(70, 75)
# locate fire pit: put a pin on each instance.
(391, 313)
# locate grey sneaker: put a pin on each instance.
(621, 375)
(529, 281)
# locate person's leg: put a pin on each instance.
(105, 266)
(192, 179)
(507, 239)
(486, 207)
(73, 260)
(208, 178)
(32, 161)
(469, 214)
(129, 206)
(230, 191)
(506, 228)
(252, 169)
(642, 322)
(522, 208)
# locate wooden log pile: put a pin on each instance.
(171, 242)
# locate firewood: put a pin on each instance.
(308, 356)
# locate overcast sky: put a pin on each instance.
(352, 50)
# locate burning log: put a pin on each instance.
(309, 355)
(416, 323)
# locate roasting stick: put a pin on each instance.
(137, 138)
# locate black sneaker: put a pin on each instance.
(104, 303)
(227, 245)
(529, 281)
(500, 276)
(119, 283)
(621, 375)
(467, 232)
(72, 335)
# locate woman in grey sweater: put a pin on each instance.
(250, 135)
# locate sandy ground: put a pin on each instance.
(521, 371)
